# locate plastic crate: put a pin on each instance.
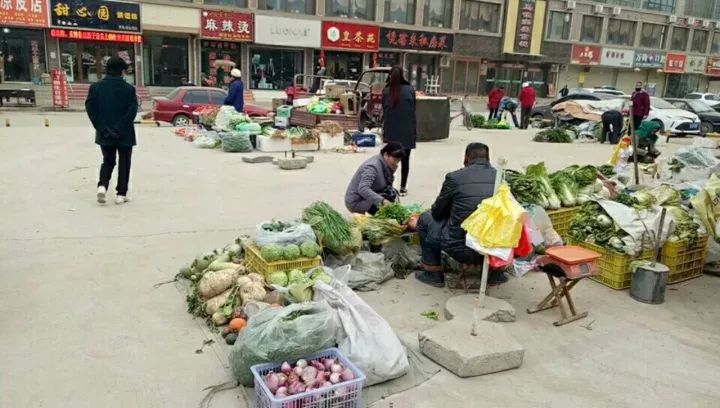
(257, 264)
(307, 145)
(347, 394)
(268, 144)
(615, 267)
(303, 118)
(561, 220)
(684, 261)
(364, 139)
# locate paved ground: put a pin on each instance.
(82, 326)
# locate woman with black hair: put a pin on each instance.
(372, 185)
(399, 119)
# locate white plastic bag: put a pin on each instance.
(222, 120)
(296, 234)
(367, 270)
(363, 336)
(501, 253)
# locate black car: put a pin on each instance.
(545, 112)
(709, 118)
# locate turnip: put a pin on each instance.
(285, 368)
(301, 363)
(272, 382)
(328, 362)
(298, 371)
(308, 374)
(335, 378)
(336, 368)
(347, 374)
(282, 379)
(296, 388)
(282, 392)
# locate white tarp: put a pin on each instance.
(588, 110)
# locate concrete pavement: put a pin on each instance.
(82, 326)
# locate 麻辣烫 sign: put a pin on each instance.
(227, 26)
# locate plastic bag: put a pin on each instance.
(367, 270)
(222, 120)
(237, 142)
(296, 233)
(707, 208)
(276, 335)
(206, 142)
(498, 221)
(364, 337)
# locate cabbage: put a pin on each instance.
(296, 276)
(271, 252)
(319, 274)
(309, 249)
(564, 185)
(539, 172)
(585, 175)
(291, 252)
(254, 128)
(278, 278)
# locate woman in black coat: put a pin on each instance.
(399, 119)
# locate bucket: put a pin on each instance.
(648, 283)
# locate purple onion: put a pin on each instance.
(336, 368)
(308, 373)
(347, 374)
(285, 368)
(328, 362)
(298, 371)
(301, 363)
(281, 392)
(273, 382)
(322, 376)
(335, 378)
(282, 379)
(296, 388)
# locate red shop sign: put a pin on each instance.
(713, 67)
(585, 55)
(228, 26)
(59, 88)
(95, 36)
(675, 63)
(24, 13)
(350, 36)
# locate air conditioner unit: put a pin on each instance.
(706, 23)
(599, 8)
(616, 11)
(445, 61)
(571, 5)
(672, 19)
(691, 21)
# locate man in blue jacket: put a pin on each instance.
(236, 93)
(111, 105)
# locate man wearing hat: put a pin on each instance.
(236, 91)
(527, 101)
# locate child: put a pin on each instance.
(622, 154)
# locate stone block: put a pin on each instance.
(492, 310)
(292, 164)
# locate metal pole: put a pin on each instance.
(634, 145)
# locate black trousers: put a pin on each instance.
(123, 157)
(525, 117)
(493, 113)
(637, 121)
(405, 170)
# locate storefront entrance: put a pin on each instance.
(679, 85)
(274, 68)
(218, 58)
(511, 76)
(341, 65)
(165, 60)
(84, 61)
(389, 59)
(462, 78)
(420, 68)
(23, 54)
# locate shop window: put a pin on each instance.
(360, 9)
(421, 67)
(679, 39)
(165, 60)
(446, 78)
(438, 13)
(230, 3)
(388, 59)
(701, 8)
(84, 61)
(400, 11)
(591, 29)
(23, 55)
(715, 46)
(217, 59)
(288, 6)
(621, 32)
(479, 16)
(341, 65)
(272, 68)
(652, 36)
(559, 26)
(699, 41)
(665, 6)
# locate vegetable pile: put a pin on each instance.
(237, 142)
(394, 211)
(593, 225)
(293, 379)
(333, 231)
(555, 135)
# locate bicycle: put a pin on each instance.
(464, 111)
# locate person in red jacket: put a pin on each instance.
(527, 101)
(494, 98)
(640, 105)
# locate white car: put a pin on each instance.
(672, 119)
(709, 98)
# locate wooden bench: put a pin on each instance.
(27, 94)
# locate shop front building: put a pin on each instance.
(346, 49)
(650, 68)
(22, 41)
(222, 37)
(283, 48)
(684, 74)
(712, 71)
(419, 52)
(90, 32)
(466, 73)
(602, 67)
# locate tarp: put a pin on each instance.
(586, 110)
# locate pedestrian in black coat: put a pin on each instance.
(399, 123)
(111, 105)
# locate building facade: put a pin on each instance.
(467, 46)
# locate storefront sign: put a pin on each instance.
(675, 63)
(415, 40)
(713, 67)
(526, 18)
(225, 25)
(95, 36)
(617, 57)
(350, 36)
(649, 59)
(35, 56)
(95, 15)
(696, 65)
(291, 32)
(23, 13)
(585, 55)
(59, 88)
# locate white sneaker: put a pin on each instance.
(101, 195)
(122, 200)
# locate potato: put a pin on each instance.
(214, 304)
(215, 282)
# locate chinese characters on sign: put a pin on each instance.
(617, 57)
(650, 59)
(526, 17)
(95, 15)
(415, 40)
(713, 67)
(35, 55)
(696, 65)
(585, 55)
(228, 26)
(350, 36)
(59, 88)
(95, 36)
(675, 63)
(23, 13)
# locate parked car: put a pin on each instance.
(709, 117)
(544, 112)
(177, 107)
(710, 98)
(672, 119)
(610, 92)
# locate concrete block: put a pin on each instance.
(492, 310)
(292, 164)
(452, 346)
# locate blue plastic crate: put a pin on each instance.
(347, 394)
(364, 139)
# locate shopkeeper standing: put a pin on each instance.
(236, 92)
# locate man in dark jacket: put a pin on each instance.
(440, 228)
(236, 92)
(640, 105)
(111, 105)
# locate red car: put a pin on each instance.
(178, 106)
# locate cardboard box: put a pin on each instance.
(335, 91)
(282, 122)
(277, 102)
(349, 103)
(284, 111)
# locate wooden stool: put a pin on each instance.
(463, 269)
(559, 290)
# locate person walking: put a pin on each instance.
(399, 123)
(494, 98)
(564, 91)
(236, 92)
(111, 106)
(640, 105)
(527, 101)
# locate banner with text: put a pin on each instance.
(227, 25)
